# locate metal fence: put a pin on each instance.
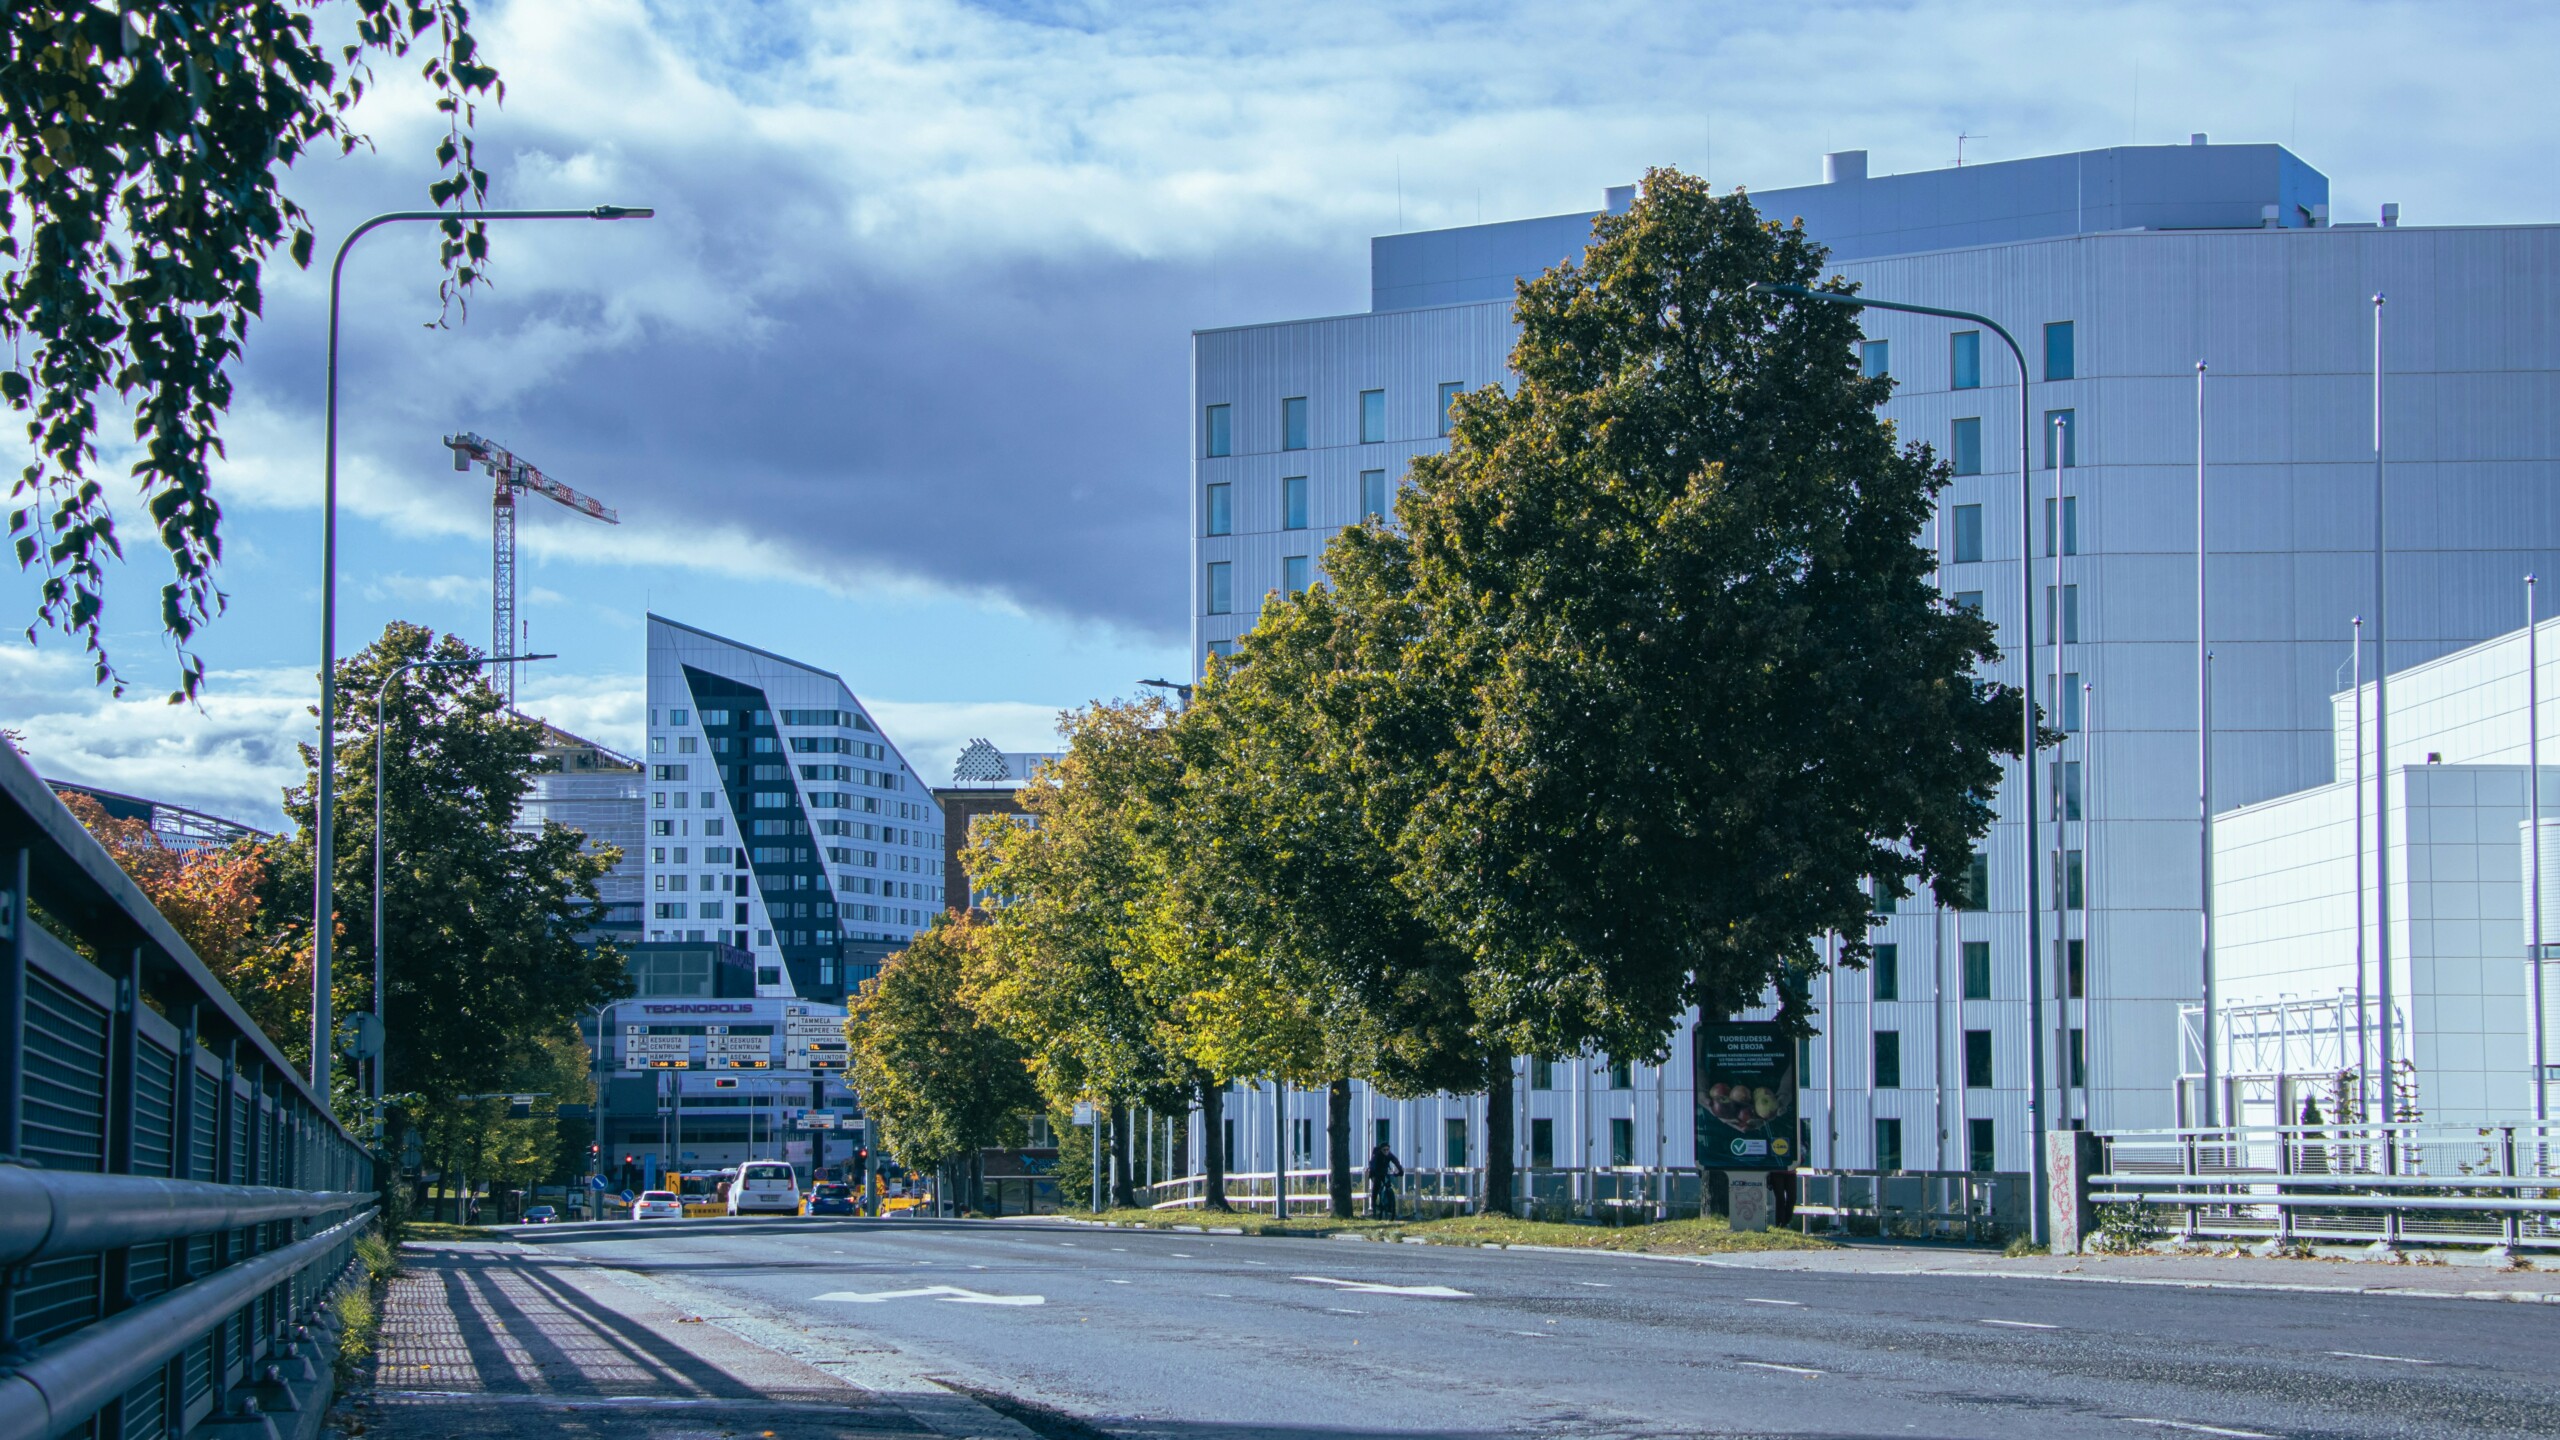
(2394, 1184)
(1971, 1205)
(1630, 1193)
(176, 1206)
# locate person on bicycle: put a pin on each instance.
(1382, 1192)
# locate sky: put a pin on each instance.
(897, 381)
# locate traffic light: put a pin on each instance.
(861, 1164)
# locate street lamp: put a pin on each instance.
(2027, 700)
(323, 819)
(1181, 692)
(382, 692)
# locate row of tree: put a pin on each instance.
(484, 975)
(1648, 688)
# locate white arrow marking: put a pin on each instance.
(1371, 1287)
(951, 1293)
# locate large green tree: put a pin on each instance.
(1655, 677)
(937, 1078)
(143, 146)
(482, 963)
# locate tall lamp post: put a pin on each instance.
(323, 816)
(380, 693)
(2038, 1214)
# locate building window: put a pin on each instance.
(1542, 1073)
(1977, 1059)
(1977, 969)
(2062, 612)
(1980, 1153)
(2065, 802)
(1964, 446)
(1542, 1144)
(1875, 359)
(1218, 514)
(1622, 1075)
(1880, 899)
(1222, 588)
(1453, 1143)
(2079, 1060)
(1373, 416)
(1305, 1136)
(1219, 436)
(1888, 1144)
(1385, 1132)
(1885, 971)
(1964, 351)
(2068, 533)
(1622, 1141)
(1977, 884)
(2066, 885)
(2061, 357)
(2070, 701)
(2061, 426)
(1293, 503)
(1373, 494)
(1969, 600)
(1888, 1059)
(768, 974)
(2075, 966)
(1293, 423)
(1968, 535)
(1449, 405)
(1293, 573)
(1227, 1142)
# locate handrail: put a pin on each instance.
(57, 1391)
(48, 1213)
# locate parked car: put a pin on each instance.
(830, 1197)
(542, 1215)
(769, 1187)
(657, 1205)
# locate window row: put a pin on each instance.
(1218, 585)
(1964, 356)
(1884, 969)
(1218, 503)
(1217, 422)
(2059, 443)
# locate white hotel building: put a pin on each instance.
(2119, 270)
(782, 821)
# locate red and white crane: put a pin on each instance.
(512, 475)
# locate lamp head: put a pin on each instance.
(623, 212)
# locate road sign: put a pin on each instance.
(360, 1036)
(737, 1045)
(657, 1044)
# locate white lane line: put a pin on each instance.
(1532, 1334)
(947, 1293)
(1119, 1282)
(1756, 1300)
(2393, 1359)
(1220, 1295)
(1783, 1369)
(2192, 1428)
(1372, 1287)
(2026, 1325)
(1338, 1310)
(1181, 1255)
(1257, 1262)
(1594, 1284)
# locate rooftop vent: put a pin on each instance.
(2196, 139)
(1841, 165)
(2391, 215)
(2267, 217)
(1618, 199)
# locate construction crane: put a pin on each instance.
(512, 475)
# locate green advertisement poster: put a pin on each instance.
(1746, 1089)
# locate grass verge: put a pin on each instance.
(359, 1306)
(1708, 1236)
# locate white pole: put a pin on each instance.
(2364, 1022)
(1831, 1024)
(2089, 902)
(2382, 757)
(2204, 783)
(2533, 791)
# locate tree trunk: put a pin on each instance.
(1337, 1134)
(1213, 1146)
(1498, 1098)
(1124, 1187)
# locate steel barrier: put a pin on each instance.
(176, 1206)
(2494, 1185)
(1974, 1205)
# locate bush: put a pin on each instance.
(2124, 1229)
(358, 1320)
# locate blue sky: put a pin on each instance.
(898, 381)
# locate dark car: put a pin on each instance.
(542, 1215)
(829, 1198)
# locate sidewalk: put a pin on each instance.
(2344, 1276)
(488, 1341)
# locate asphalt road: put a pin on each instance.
(1188, 1337)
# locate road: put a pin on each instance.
(1202, 1337)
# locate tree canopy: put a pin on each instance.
(934, 1075)
(143, 148)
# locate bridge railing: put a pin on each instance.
(176, 1206)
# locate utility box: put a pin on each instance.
(1747, 1199)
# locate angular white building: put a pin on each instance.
(781, 820)
(2119, 271)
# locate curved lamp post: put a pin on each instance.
(323, 814)
(2027, 706)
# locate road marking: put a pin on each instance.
(1755, 1300)
(1594, 1284)
(952, 1293)
(1534, 1334)
(1181, 1255)
(2026, 1325)
(1338, 1310)
(1220, 1295)
(1119, 1282)
(2193, 1428)
(2393, 1359)
(1372, 1287)
(1783, 1369)
(1257, 1262)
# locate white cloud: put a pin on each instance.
(931, 734)
(232, 757)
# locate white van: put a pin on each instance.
(769, 1187)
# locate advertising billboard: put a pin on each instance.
(1746, 1089)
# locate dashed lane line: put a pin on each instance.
(1808, 1374)
(2023, 1324)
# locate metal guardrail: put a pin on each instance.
(2391, 1184)
(176, 1205)
(1972, 1205)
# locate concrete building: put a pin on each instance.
(2119, 270)
(985, 782)
(602, 795)
(781, 820)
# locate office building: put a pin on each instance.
(782, 822)
(2118, 271)
(602, 795)
(985, 782)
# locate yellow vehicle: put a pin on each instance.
(897, 1203)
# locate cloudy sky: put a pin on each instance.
(897, 380)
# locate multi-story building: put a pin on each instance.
(2120, 271)
(601, 794)
(985, 782)
(781, 820)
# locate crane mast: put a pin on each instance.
(508, 474)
